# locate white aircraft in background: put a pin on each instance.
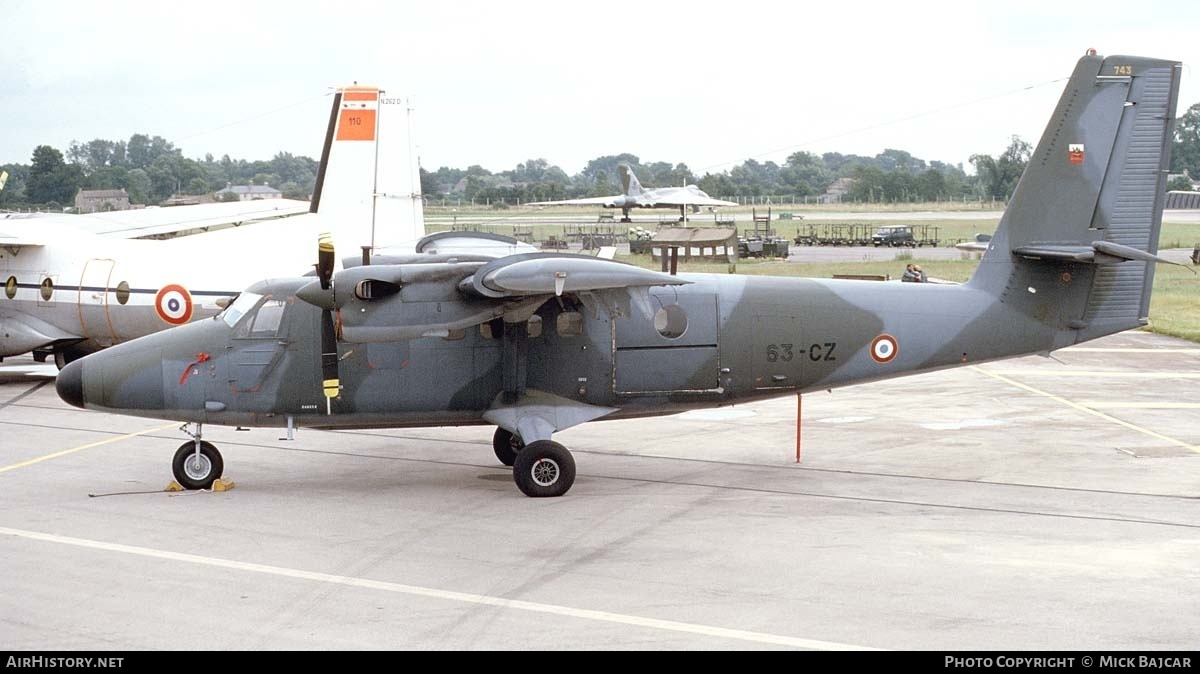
(76, 284)
(633, 195)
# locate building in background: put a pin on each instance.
(98, 201)
(248, 193)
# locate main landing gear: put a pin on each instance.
(542, 468)
(197, 463)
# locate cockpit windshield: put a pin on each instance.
(234, 312)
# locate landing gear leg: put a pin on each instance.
(197, 464)
(544, 468)
(507, 446)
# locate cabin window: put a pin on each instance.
(10, 287)
(569, 324)
(671, 321)
(47, 288)
(122, 292)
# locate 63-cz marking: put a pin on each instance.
(816, 352)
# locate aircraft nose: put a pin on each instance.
(70, 384)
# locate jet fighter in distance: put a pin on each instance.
(633, 195)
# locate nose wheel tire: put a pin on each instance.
(507, 446)
(544, 468)
(197, 472)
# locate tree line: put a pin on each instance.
(151, 169)
(892, 176)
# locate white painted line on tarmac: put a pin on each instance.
(1142, 350)
(432, 593)
(1107, 374)
(1118, 405)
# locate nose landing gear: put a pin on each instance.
(197, 464)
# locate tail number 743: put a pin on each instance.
(816, 352)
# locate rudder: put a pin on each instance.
(1088, 208)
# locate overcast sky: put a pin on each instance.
(495, 83)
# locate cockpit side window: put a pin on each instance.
(261, 321)
(268, 318)
(240, 306)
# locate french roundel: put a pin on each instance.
(884, 349)
(173, 304)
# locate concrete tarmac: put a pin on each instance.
(1026, 504)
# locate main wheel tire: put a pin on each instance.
(194, 472)
(507, 446)
(544, 468)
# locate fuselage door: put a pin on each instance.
(675, 350)
(258, 344)
(93, 301)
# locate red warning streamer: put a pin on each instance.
(200, 358)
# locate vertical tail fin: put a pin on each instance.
(1082, 227)
(368, 184)
(630, 186)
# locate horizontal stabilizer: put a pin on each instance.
(1100, 252)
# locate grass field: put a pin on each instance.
(951, 229)
(1175, 303)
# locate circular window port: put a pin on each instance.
(10, 287)
(47, 289)
(122, 292)
(671, 321)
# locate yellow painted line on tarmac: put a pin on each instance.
(1070, 403)
(447, 595)
(1112, 374)
(1117, 405)
(80, 448)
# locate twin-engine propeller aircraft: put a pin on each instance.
(76, 284)
(633, 195)
(536, 343)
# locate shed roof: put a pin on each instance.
(696, 236)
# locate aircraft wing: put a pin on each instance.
(148, 222)
(680, 196)
(610, 202)
(376, 301)
(11, 238)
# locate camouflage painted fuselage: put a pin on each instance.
(1071, 260)
(745, 338)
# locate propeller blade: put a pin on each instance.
(325, 259)
(329, 356)
(329, 352)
